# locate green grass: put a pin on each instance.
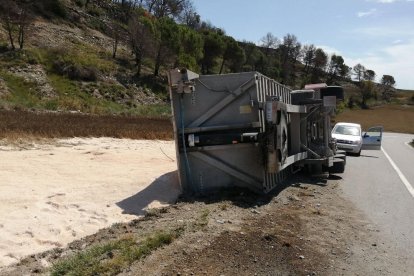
(203, 219)
(112, 257)
(23, 94)
(71, 94)
(78, 53)
(75, 96)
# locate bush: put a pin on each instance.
(80, 3)
(75, 71)
(3, 47)
(51, 8)
(95, 11)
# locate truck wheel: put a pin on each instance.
(338, 166)
(341, 152)
(302, 96)
(314, 169)
(341, 156)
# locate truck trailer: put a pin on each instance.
(247, 130)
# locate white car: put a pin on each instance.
(349, 137)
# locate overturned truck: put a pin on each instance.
(247, 130)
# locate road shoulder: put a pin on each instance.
(308, 228)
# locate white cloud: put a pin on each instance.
(395, 60)
(403, 30)
(397, 41)
(366, 13)
(329, 50)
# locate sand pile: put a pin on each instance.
(51, 194)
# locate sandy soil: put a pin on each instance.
(57, 192)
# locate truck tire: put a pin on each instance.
(341, 156)
(336, 91)
(338, 166)
(300, 97)
(314, 169)
(341, 152)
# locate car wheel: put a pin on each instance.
(358, 153)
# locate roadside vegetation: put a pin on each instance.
(112, 257)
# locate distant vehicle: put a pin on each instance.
(349, 137)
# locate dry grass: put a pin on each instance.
(15, 125)
(394, 118)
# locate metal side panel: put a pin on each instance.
(226, 166)
(218, 100)
(223, 104)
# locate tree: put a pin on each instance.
(16, 18)
(116, 28)
(189, 16)
(124, 9)
(346, 72)
(191, 48)
(369, 75)
(387, 87)
(359, 72)
(336, 68)
(366, 91)
(167, 42)
(142, 39)
(308, 55)
(268, 42)
(253, 55)
(165, 8)
(319, 64)
(233, 55)
(290, 51)
(214, 47)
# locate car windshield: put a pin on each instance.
(347, 130)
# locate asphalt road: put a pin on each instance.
(382, 192)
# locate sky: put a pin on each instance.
(379, 34)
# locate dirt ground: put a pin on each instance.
(304, 228)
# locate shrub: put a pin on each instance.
(3, 47)
(95, 11)
(80, 3)
(51, 8)
(75, 71)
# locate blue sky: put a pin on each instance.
(379, 34)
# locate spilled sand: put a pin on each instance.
(53, 193)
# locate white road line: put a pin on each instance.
(408, 145)
(400, 174)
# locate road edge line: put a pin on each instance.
(408, 145)
(400, 174)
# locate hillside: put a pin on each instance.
(110, 57)
(68, 66)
